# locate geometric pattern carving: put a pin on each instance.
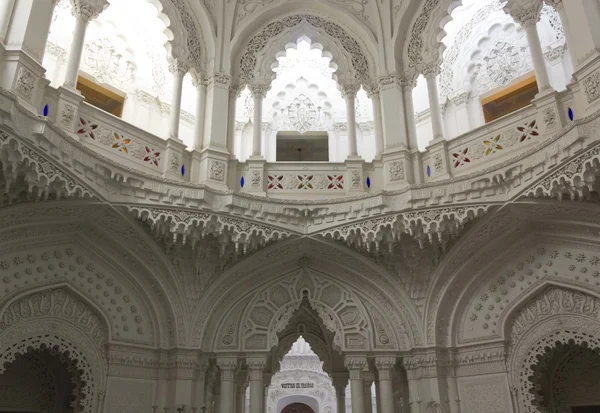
(259, 41)
(493, 299)
(271, 311)
(65, 264)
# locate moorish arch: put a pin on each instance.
(252, 60)
(60, 321)
(525, 245)
(361, 314)
(555, 322)
(56, 245)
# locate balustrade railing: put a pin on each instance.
(120, 140)
(494, 143)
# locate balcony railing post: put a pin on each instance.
(440, 164)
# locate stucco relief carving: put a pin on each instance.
(25, 83)
(271, 311)
(492, 301)
(591, 87)
(248, 61)
(107, 65)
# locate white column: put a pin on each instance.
(258, 94)
(368, 398)
(349, 92)
(386, 392)
(178, 68)
(240, 395)
(408, 83)
(430, 72)
(6, 8)
(528, 18)
(84, 11)
(234, 92)
(257, 388)
(227, 366)
(355, 365)
(200, 84)
(376, 101)
(564, 20)
(340, 396)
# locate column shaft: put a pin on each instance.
(351, 120)
(178, 70)
(257, 394)
(200, 113)
(257, 126)
(340, 394)
(539, 65)
(378, 123)
(76, 51)
(564, 20)
(6, 8)
(409, 111)
(356, 393)
(368, 397)
(434, 105)
(227, 367)
(233, 95)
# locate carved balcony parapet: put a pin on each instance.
(86, 169)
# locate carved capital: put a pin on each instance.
(349, 90)
(256, 366)
(227, 366)
(461, 99)
(430, 70)
(525, 16)
(178, 67)
(258, 90)
(385, 365)
(217, 79)
(557, 4)
(198, 78)
(408, 80)
(235, 90)
(86, 10)
(355, 366)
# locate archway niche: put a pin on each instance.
(555, 336)
(299, 407)
(44, 380)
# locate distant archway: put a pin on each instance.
(298, 407)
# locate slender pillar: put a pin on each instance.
(6, 9)
(431, 72)
(564, 20)
(178, 68)
(386, 392)
(368, 397)
(259, 92)
(234, 93)
(340, 395)
(84, 11)
(528, 18)
(227, 366)
(349, 92)
(377, 117)
(256, 366)
(240, 395)
(408, 83)
(200, 84)
(355, 365)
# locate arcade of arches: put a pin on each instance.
(316, 206)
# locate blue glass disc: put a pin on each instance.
(571, 114)
(368, 182)
(242, 182)
(429, 171)
(182, 170)
(45, 112)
